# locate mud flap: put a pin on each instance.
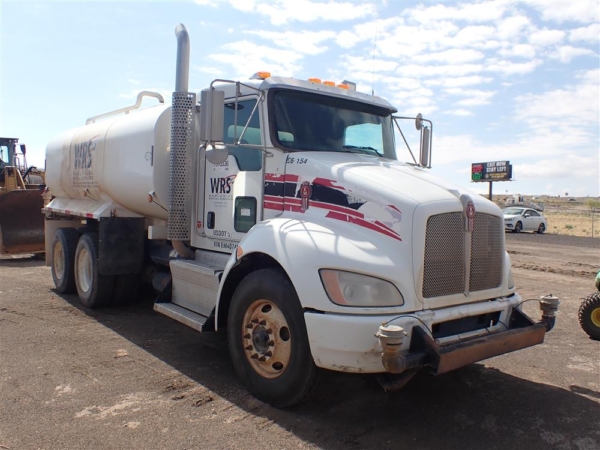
(22, 222)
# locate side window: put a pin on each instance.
(534, 213)
(248, 159)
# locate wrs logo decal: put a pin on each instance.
(83, 170)
(222, 185)
(83, 154)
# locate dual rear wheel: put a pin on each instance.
(75, 269)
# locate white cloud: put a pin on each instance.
(505, 67)
(452, 56)
(590, 33)
(511, 27)
(546, 37)
(566, 53)
(569, 166)
(518, 50)
(281, 12)
(470, 12)
(458, 81)
(306, 42)
(246, 58)
(571, 108)
(460, 112)
(473, 97)
(585, 11)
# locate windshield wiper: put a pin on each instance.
(357, 149)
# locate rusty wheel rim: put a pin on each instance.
(596, 317)
(266, 339)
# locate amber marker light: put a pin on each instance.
(260, 75)
(315, 80)
(343, 86)
(329, 83)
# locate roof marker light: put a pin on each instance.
(260, 75)
(343, 86)
(329, 83)
(314, 80)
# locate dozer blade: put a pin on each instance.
(22, 222)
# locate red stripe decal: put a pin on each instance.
(394, 208)
(275, 206)
(291, 177)
(328, 183)
(274, 198)
(363, 223)
(274, 177)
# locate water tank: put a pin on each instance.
(120, 159)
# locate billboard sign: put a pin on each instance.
(491, 171)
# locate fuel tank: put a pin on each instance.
(121, 159)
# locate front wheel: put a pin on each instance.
(518, 227)
(268, 341)
(541, 228)
(589, 316)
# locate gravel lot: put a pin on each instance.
(128, 378)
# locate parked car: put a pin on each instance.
(517, 219)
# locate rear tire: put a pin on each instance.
(589, 316)
(268, 341)
(541, 228)
(93, 288)
(63, 259)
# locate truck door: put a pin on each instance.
(233, 190)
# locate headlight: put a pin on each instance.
(354, 289)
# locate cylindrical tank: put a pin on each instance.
(120, 159)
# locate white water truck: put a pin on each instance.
(276, 209)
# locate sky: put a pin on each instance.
(502, 80)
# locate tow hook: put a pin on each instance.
(549, 306)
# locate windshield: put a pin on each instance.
(312, 122)
(513, 211)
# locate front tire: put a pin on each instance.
(268, 341)
(541, 228)
(93, 288)
(589, 316)
(518, 227)
(63, 259)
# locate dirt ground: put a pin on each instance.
(129, 378)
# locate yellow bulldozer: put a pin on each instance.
(21, 201)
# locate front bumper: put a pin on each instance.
(348, 343)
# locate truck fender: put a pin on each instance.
(300, 248)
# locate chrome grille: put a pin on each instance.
(444, 265)
(486, 253)
(444, 262)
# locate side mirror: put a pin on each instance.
(23, 148)
(425, 147)
(212, 115)
(216, 153)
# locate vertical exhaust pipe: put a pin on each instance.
(182, 70)
(181, 152)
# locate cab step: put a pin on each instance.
(183, 315)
